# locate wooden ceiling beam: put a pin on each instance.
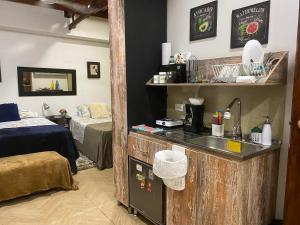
(77, 21)
(81, 17)
(96, 3)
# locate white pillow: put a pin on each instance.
(24, 114)
(83, 111)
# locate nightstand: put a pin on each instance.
(60, 120)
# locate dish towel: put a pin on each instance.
(245, 79)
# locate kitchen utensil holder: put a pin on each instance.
(217, 130)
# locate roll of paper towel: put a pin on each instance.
(166, 53)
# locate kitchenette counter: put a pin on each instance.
(213, 145)
(220, 187)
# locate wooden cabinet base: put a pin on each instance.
(218, 191)
(225, 192)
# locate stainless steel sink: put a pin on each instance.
(220, 144)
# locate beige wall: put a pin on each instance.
(257, 102)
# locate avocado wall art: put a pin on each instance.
(251, 22)
(203, 21)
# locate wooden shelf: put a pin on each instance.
(277, 76)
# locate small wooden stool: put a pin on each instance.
(23, 175)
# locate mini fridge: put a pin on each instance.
(146, 191)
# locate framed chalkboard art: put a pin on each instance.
(203, 21)
(251, 22)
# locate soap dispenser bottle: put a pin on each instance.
(267, 133)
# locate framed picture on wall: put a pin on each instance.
(93, 69)
(203, 21)
(251, 22)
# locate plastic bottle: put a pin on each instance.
(267, 133)
(52, 87)
(57, 86)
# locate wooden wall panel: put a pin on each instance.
(119, 98)
(182, 205)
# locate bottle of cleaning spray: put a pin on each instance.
(267, 133)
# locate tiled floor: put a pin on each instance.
(92, 204)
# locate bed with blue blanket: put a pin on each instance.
(37, 135)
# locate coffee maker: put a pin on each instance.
(194, 118)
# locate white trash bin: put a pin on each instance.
(171, 166)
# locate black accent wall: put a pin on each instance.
(145, 30)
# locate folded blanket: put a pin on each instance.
(26, 174)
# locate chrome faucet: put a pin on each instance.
(237, 128)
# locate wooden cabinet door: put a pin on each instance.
(181, 205)
(144, 148)
(218, 194)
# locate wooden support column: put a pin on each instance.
(119, 98)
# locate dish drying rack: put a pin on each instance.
(228, 73)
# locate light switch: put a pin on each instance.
(179, 107)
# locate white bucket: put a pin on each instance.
(171, 166)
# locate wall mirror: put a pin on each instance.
(46, 82)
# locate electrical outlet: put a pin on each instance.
(179, 107)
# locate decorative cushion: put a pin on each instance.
(9, 112)
(99, 110)
(83, 111)
(24, 114)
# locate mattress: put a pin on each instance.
(79, 124)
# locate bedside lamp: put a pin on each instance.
(45, 107)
